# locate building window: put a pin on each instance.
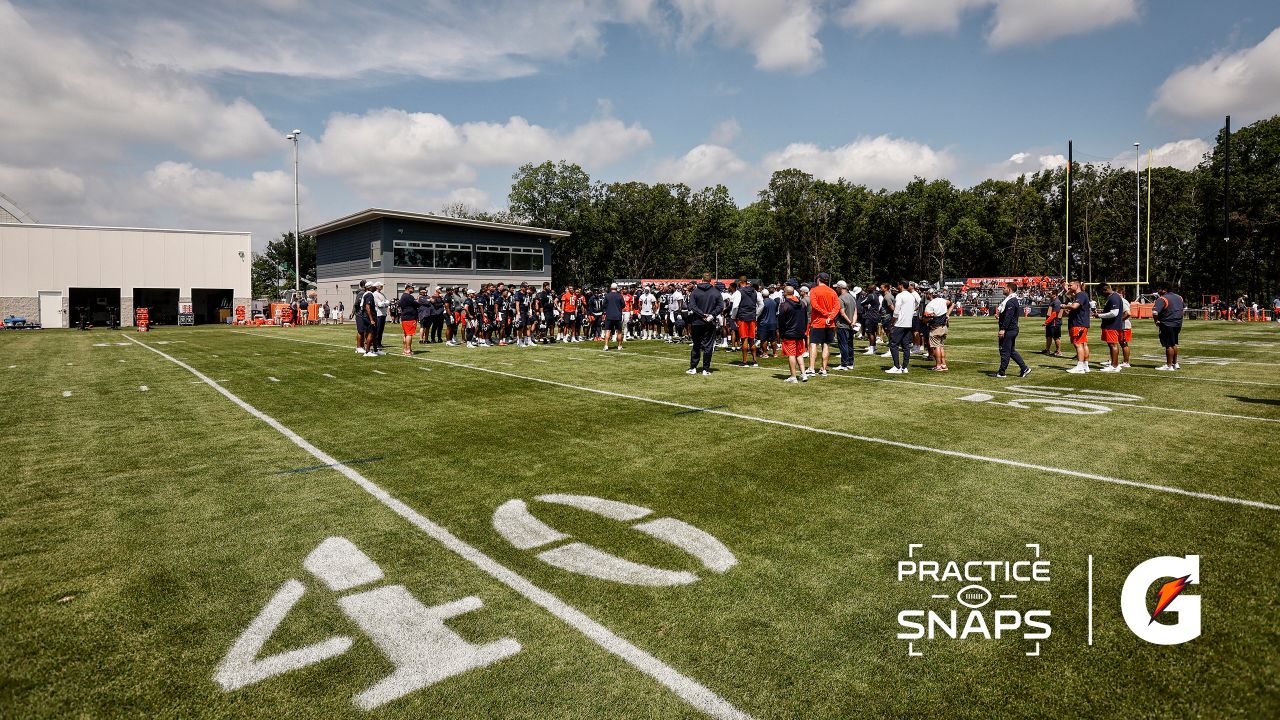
(453, 257)
(526, 259)
(418, 254)
(411, 254)
(496, 257)
(492, 257)
(375, 254)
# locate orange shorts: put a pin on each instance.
(410, 327)
(1111, 337)
(1079, 335)
(747, 329)
(794, 348)
(1128, 336)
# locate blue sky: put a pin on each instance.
(160, 114)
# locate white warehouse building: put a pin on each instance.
(55, 274)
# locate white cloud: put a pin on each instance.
(1025, 22)
(908, 16)
(706, 165)
(781, 34)
(877, 162)
(1245, 84)
(212, 197)
(1013, 22)
(1181, 154)
(63, 96)
(1025, 163)
(392, 148)
(725, 132)
(53, 185)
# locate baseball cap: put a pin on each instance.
(613, 286)
(824, 277)
(857, 289)
(793, 282)
(842, 284)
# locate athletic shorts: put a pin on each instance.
(1111, 337)
(459, 318)
(818, 335)
(362, 323)
(1079, 335)
(794, 348)
(870, 327)
(613, 325)
(1128, 336)
(1169, 336)
(1053, 331)
(766, 333)
(938, 337)
(746, 328)
(646, 318)
(410, 327)
(568, 319)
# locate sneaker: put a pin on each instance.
(887, 354)
(1125, 365)
(1177, 366)
(370, 354)
(869, 351)
(691, 371)
(791, 380)
(706, 373)
(1025, 372)
(1057, 354)
(1164, 368)
(359, 351)
(906, 371)
(1110, 369)
(619, 347)
(999, 376)
(1077, 370)
(755, 365)
(894, 371)
(380, 353)
(840, 367)
(822, 373)
(804, 378)
(470, 344)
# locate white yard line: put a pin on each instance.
(688, 689)
(1039, 376)
(849, 436)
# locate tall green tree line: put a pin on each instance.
(931, 229)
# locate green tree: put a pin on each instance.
(272, 270)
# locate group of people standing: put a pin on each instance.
(799, 321)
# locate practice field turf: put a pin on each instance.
(336, 519)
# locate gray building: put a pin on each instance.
(398, 247)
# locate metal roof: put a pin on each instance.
(130, 229)
(375, 213)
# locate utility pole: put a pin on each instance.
(1137, 238)
(297, 239)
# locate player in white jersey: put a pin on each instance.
(648, 302)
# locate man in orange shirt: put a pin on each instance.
(824, 305)
(569, 318)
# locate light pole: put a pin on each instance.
(1137, 184)
(297, 239)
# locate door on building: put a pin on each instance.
(211, 305)
(99, 307)
(51, 309)
(162, 303)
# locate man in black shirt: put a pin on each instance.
(613, 307)
(1167, 312)
(1079, 308)
(705, 305)
(1009, 311)
(408, 318)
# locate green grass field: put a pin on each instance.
(143, 531)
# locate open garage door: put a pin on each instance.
(210, 304)
(96, 307)
(161, 302)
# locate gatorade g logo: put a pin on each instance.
(1177, 574)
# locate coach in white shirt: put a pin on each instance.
(904, 315)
